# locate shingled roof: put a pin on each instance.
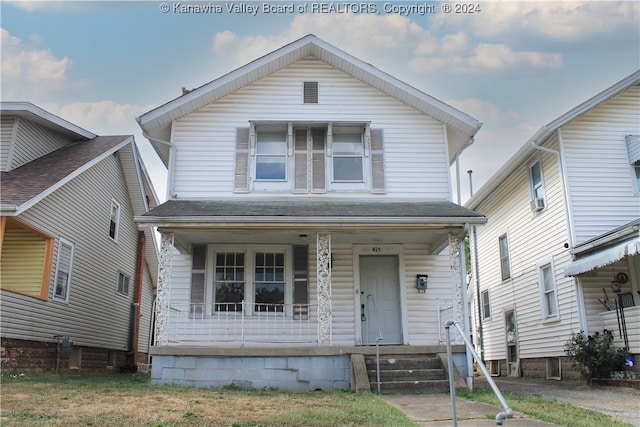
(45, 174)
(310, 209)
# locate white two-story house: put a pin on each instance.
(560, 251)
(309, 216)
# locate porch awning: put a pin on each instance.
(309, 210)
(603, 257)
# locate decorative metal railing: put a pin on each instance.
(242, 323)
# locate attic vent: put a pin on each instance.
(310, 92)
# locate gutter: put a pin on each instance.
(172, 159)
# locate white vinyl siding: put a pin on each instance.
(206, 139)
(25, 150)
(95, 315)
(602, 187)
(531, 238)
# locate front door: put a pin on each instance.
(380, 300)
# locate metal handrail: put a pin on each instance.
(380, 338)
(501, 416)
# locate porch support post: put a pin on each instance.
(164, 286)
(459, 283)
(455, 262)
(324, 287)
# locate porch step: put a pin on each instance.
(408, 374)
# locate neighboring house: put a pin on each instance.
(561, 247)
(309, 199)
(77, 277)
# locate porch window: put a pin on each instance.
(198, 272)
(505, 264)
(548, 290)
(271, 156)
(229, 281)
(348, 154)
(269, 281)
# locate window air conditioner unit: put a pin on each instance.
(537, 204)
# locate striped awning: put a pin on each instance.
(603, 257)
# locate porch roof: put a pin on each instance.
(319, 210)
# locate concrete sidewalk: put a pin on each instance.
(432, 410)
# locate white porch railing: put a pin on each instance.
(237, 324)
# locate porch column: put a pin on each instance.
(164, 287)
(324, 287)
(459, 289)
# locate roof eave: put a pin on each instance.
(46, 118)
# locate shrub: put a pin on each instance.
(594, 355)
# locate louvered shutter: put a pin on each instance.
(301, 280)
(301, 184)
(241, 178)
(377, 162)
(318, 179)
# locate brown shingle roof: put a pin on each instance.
(28, 181)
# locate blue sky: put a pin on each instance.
(514, 66)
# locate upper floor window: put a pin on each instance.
(348, 155)
(548, 290)
(114, 220)
(309, 158)
(537, 187)
(271, 156)
(123, 284)
(505, 264)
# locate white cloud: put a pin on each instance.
(27, 72)
(372, 37)
(556, 20)
(484, 111)
(102, 117)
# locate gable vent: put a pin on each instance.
(310, 92)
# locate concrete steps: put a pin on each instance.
(408, 373)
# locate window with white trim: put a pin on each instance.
(505, 263)
(64, 266)
(123, 284)
(271, 156)
(537, 186)
(548, 291)
(348, 156)
(269, 281)
(229, 281)
(633, 151)
(114, 220)
(486, 307)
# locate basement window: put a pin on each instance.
(554, 368)
(310, 92)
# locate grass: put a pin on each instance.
(75, 399)
(545, 409)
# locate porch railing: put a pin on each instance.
(237, 324)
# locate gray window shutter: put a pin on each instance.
(377, 162)
(301, 184)
(318, 160)
(241, 178)
(301, 280)
(633, 148)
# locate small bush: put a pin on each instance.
(594, 355)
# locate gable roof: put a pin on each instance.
(156, 124)
(544, 133)
(44, 118)
(30, 183)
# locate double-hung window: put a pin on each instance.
(271, 156)
(62, 283)
(123, 284)
(348, 156)
(269, 281)
(505, 264)
(548, 291)
(537, 187)
(229, 281)
(486, 307)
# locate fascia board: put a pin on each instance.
(28, 110)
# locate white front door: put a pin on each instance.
(380, 300)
